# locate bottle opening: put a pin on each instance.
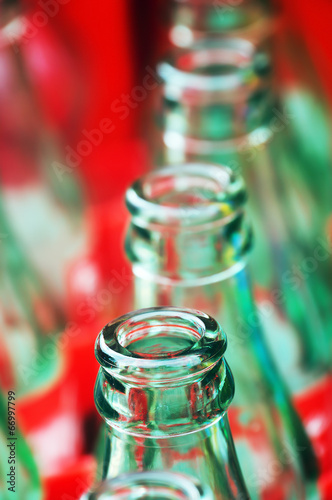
(196, 19)
(226, 65)
(187, 195)
(155, 336)
(160, 344)
(213, 61)
(151, 362)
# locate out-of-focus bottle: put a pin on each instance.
(31, 322)
(41, 196)
(163, 389)
(194, 20)
(157, 485)
(19, 476)
(188, 242)
(219, 107)
(294, 78)
(42, 234)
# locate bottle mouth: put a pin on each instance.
(195, 19)
(155, 485)
(187, 196)
(160, 345)
(229, 67)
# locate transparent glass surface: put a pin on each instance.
(233, 117)
(192, 20)
(156, 485)
(163, 389)
(188, 241)
(41, 194)
(41, 223)
(30, 320)
(294, 74)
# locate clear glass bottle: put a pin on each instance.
(41, 207)
(188, 242)
(218, 106)
(41, 196)
(30, 320)
(155, 485)
(193, 20)
(163, 389)
(294, 78)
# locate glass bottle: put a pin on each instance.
(294, 79)
(30, 320)
(163, 389)
(218, 106)
(188, 243)
(193, 20)
(18, 470)
(155, 485)
(41, 196)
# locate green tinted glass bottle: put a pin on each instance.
(41, 197)
(30, 320)
(188, 241)
(308, 159)
(218, 106)
(41, 224)
(163, 389)
(192, 20)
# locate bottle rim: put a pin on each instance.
(254, 20)
(191, 70)
(199, 195)
(160, 345)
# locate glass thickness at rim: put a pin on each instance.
(181, 343)
(220, 195)
(195, 67)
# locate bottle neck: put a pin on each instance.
(207, 455)
(215, 91)
(201, 256)
(143, 411)
(163, 389)
(157, 356)
(188, 223)
(202, 267)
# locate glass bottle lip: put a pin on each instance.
(220, 197)
(192, 69)
(174, 486)
(160, 345)
(251, 19)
